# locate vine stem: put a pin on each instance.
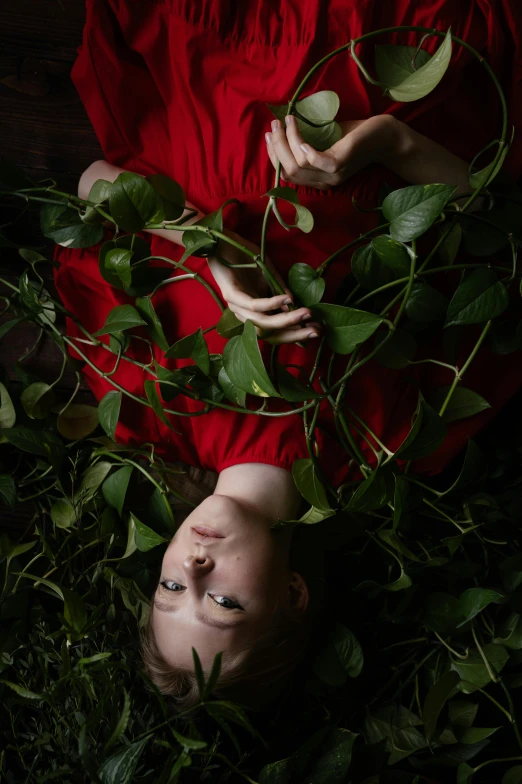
(460, 373)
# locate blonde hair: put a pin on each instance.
(254, 676)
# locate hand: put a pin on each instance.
(248, 297)
(363, 142)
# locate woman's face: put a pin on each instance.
(223, 575)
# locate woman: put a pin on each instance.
(181, 88)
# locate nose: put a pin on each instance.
(198, 565)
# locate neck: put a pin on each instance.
(268, 490)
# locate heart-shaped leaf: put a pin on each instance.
(463, 403)
(421, 82)
(134, 202)
(479, 298)
(120, 318)
(319, 108)
(412, 210)
(146, 309)
(394, 64)
(194, 347)
(309, 484)
(109, 411)
(244, 365)
(346, 328)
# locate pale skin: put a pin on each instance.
(204, 578)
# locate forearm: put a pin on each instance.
(103, 170)
(420, 161)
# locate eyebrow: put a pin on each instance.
(167, 607)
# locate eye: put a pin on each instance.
(170, 585)
(224, 601)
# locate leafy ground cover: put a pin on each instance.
(414, 672)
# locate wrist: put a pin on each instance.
(397, 144)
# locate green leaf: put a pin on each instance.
(394, 63)
(120, 318)
(141, 537)
(425, 437)
(462, 713)
(479, 298)
(368, 268)
(63, 225)
(37, 442)
(348, 650)
(155, 402)
(7, 490)
(476, 734)
(325, 758)
(421, 82)
(121, 724)
(134, 202)
(194, 347)
(370, 494)
(412, 210)
(435, 701)
(7, 409)
(146, 309)
(320, 107)
(202, 245)
(510, 633)
(476, 178)
(92, 479)
(22, 692)
(75, 611)
(513, 775)
(119, 767)
(450, 247)
(244, 365)
(171, 193)
(77, 421)
(474, 600)
(229, 325)
(63, 514)
(232, 393)
(198, 672)
(304, 218)
(464, 773)
(213, 678)
(394, 255)
(114, 488)
(308, 483)
(473, 670)
(464, 403)
(306, 284)
(472, 469)
(109, 411)
(37, 400)
(117, 264)
(346, 328)
(426, 304)
(294, 388)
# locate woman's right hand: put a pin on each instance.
(248, 296)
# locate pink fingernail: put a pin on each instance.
(275, 125)
(268, 136)
(313, 335)
(289, 119)
(304, 148)
(287, 301)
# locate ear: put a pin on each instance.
(298, 592)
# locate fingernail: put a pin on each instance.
(304, 148)
(313, 324)
(287, 301)
(275, 125)
(289, 119)
(313, 335)
(268, 136)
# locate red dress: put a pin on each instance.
(180, 87)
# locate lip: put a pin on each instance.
(206, 532)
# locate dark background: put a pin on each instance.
(45, 130)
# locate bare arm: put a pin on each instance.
(103, 170)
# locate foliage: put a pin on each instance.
(424, 632)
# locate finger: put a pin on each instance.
(292, 336)
(240, 299)
(275, 321)
(295, 140)
(322, 161)
(282, 149)
(281, 282)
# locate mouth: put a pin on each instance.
(205, 531)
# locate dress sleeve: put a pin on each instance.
(119, 93)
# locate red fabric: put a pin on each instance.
(181, 87)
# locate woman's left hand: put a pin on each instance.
(363, 142)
